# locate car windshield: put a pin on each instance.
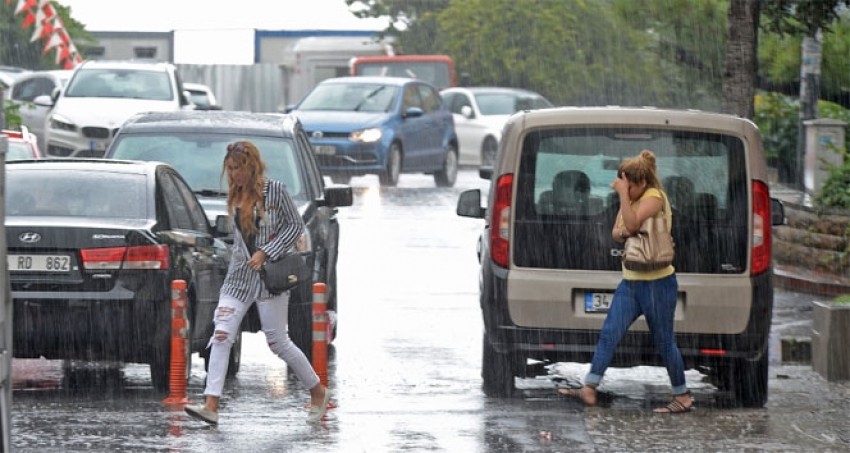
(351, 97)
(121, 83)
(199, 156)
(75, 193)
(508, 103)
(18, 151)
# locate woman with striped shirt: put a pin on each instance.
(266, 224)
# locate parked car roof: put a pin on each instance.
(272, 124)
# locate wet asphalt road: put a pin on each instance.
(405, 371)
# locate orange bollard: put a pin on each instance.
(179, 324)
(320, 327)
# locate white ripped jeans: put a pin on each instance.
(274, 313)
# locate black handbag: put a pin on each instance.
(284, 273)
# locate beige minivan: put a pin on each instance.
(549, 267)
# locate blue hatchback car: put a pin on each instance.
(380, 125)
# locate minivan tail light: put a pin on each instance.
(136, 257)
(761, 252)
(500, 226)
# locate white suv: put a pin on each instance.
(100, 96)
(549, 267)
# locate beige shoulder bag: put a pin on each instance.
(652, 247)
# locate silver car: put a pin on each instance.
(549, 266)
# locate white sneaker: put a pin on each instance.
(316, 413)
(202, 413)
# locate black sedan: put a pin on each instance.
(195, 143)
(93, 248)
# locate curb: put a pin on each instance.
(802, 280)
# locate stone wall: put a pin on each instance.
(814, 244)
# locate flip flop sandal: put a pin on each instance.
(674, 407)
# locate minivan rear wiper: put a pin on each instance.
(210, 193)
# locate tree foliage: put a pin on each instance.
(800, 17)
(576, 52)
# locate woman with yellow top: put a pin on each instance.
(650, 293)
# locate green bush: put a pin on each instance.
(777, 115)
(11, 112)
(842, 299)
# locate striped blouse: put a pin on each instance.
(277, 233)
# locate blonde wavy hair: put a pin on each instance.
(250, 196)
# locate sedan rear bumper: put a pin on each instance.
(118, 325)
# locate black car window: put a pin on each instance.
(178, 213)
(196, 212)
(76, 193)
(25, 90)
(411, 98)
(457, 101)
(198, 157)
(430, 98)
(315, 176)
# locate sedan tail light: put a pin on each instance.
(136, 257)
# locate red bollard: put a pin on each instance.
(179, 324)
(320, 328)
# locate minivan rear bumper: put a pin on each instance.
(636, 348)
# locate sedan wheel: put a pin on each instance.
(389, 178)
(447, 175)
(488, 152)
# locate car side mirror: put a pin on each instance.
(43, 101)
(223, 226)
(469, 204)
(777, 212)
(338, 196)
(467, 112)
(413, 112)
(54, 95)
(485, 173)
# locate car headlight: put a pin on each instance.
(366, 135)
(60, 123)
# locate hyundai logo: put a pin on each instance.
(29, 237)
(318, 134)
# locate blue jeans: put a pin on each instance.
(656, 301)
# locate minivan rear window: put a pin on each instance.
(565, 207)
